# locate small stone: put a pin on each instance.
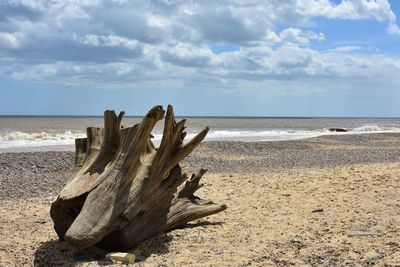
(219, 251)
(318, 210)
(297, 241)
(121, 256)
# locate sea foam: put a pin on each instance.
(19, 139)
(23, 139)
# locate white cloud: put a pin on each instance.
(379, 10)
(68, 11)
(168, 42)
(272, 37)
(157, 21)
(10, 40)
(298, 36)
(394, 29)
(36, 72)
(346, 48)
(187, 55)
(110, 41)
(354, 9)
(294, 36)
(32, 4)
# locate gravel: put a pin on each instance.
(38, 174)
(33, 174)
(326, 151)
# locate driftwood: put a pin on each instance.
(123, 190)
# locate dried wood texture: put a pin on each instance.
(123, 190)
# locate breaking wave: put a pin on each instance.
(23, 139)
(13, 136)
(375, 129)
(19, 139)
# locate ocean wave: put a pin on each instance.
(24, 139)
(259, 135)
(67, 135)
(375, 129)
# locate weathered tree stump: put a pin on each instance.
(123, 190)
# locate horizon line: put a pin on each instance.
(207, 116)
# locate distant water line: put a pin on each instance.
(58, 133)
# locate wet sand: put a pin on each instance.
(327, 201)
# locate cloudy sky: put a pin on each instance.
(227, 57)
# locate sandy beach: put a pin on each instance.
(326, 201)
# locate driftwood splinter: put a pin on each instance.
(123, 190)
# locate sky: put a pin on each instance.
(205, 57)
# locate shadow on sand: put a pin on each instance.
(60, 253)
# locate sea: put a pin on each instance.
(54, 133)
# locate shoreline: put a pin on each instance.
(271, 190)
(71, 146)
